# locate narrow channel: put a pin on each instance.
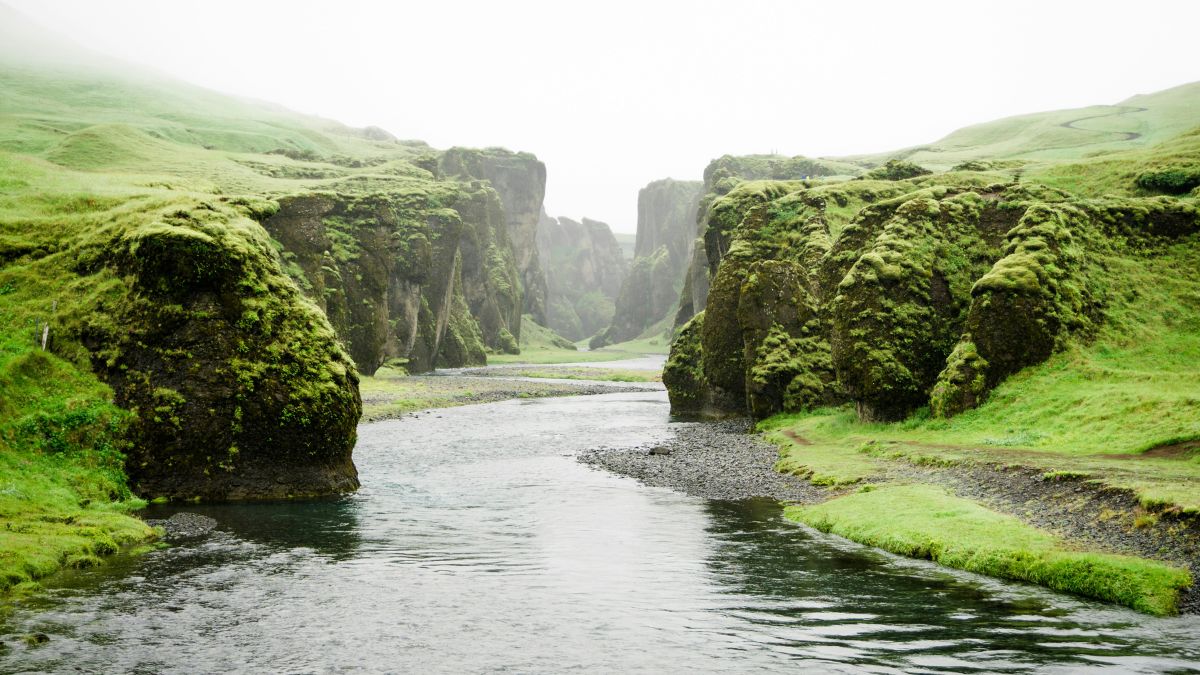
(478, 543)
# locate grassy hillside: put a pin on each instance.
(1138, 122)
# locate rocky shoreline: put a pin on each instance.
(722, 460)
(714, 460)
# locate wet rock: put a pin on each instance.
(185, 525)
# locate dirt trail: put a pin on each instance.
(1125, 135)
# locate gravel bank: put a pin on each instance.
(714, 460)
(721, 460)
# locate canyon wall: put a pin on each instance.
(584, 271)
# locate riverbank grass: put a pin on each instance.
(924, 521)
(63, 497)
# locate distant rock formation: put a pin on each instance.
(584, 271)
(665, 231)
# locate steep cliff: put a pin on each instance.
(403, 270)
(720, 176)
(665, 230)
(520, 180)
(584, 271)
(898, 294)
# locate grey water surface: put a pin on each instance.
(479, 544)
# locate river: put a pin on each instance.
(479, 544)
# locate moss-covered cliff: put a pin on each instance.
(584, 270)
(900, 294)
(709, 241)
(520, 180)
(210, 270)
(415, 273)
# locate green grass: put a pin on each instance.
(1040, 139)
(923, 521)
(389, 394)
(63, 497)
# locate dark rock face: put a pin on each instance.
(584, 270)
(382, 271)
(520, 180)
(237, 385)
(665, 235)
(896, 295)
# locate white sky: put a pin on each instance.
(614, 94)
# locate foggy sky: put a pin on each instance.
(612, 95)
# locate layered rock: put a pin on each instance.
(895, 295)
(665, 233)
(520, 180)
(584, 271)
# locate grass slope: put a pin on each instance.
(1139, 122)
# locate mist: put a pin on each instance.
(614, 95)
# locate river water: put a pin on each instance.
(479, 544)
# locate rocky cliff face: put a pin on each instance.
(584, 270)
(421, 276)
(520, 180)
(720, 176)
(236, 385)
(665, 234)
(896, 295)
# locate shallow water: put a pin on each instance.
(478, 543)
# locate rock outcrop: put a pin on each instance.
(237, 386)
(894, 295)
(665, 232)
(584, 271)
(720, 177)
(520, 180)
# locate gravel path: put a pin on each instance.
(715, 460)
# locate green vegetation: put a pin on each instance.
(64, 500)
(926, 522)
(1042, 139)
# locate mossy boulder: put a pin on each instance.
(897, 169)
(238, 386)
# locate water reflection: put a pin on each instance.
(328, 526)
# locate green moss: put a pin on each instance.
(897, 169)
(683, 373)
(927, 522)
